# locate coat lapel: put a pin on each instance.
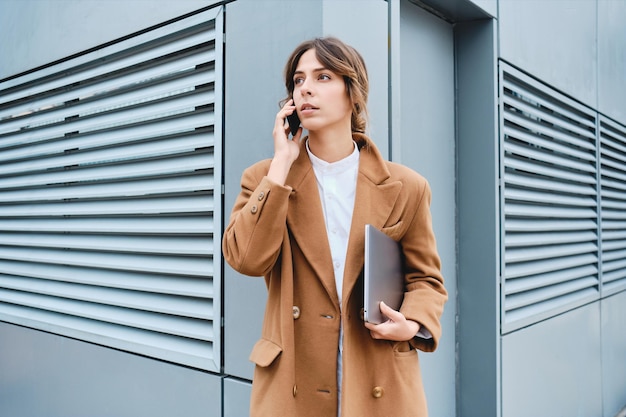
(375, 198)
(306, 221)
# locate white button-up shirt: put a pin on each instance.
(336, 183)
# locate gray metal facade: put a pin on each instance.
(124, 129)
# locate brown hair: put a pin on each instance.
(343, 60)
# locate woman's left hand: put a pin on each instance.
(396, 328)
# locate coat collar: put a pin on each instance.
(374, 200)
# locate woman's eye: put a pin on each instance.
(324, 77)
(298, 80)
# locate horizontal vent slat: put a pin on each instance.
(535, 196)
(103, 190)
(611, 245)
(545, 122)
(547, 225)
(161, 132)
(176, 164)
(615, 159)
(536, 267)
(542, 294)
(614, 235)
(127, 280)
(513, 240)
(533, 307)
(617, 175)
(519, 179)
(197, 353)
(613, 192)
(535, 93)
(516, 121)
(162, 323)
(549, 171)
(150, 89)
(512, 132)
(613, 224)
(191, 307)
(613, 263)
(547, 151)
(548, 211)
(616, 275)
(531, 282)
(157, 225)
(183, 265)
(197, 203)
(172, 106)
(191, 246)
(540, 251)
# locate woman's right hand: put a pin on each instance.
(286, 150)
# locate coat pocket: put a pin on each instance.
(403, 348)
(265, 352)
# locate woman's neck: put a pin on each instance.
(331, 147)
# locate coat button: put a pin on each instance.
(261, 195)
(296, 312)
(377, 392)
(254, 209)
(295, 390)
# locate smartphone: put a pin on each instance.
(294, 122)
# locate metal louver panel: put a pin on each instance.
(549, 202)
(613, 203)
(110, 195)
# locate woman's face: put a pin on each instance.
(320, 96)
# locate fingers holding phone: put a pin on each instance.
(294, 122)
(289, 113)
(286, 151)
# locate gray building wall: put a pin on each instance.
(434, 108)
(576, 47)
(49, 375)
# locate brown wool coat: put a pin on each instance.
(279, 232)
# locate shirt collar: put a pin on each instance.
(349, 162)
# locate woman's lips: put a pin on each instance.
(307, 109)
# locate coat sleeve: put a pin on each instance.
(253, 237)
(425, 292)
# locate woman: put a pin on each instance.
(299, 221)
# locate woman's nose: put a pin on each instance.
(305, 89)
